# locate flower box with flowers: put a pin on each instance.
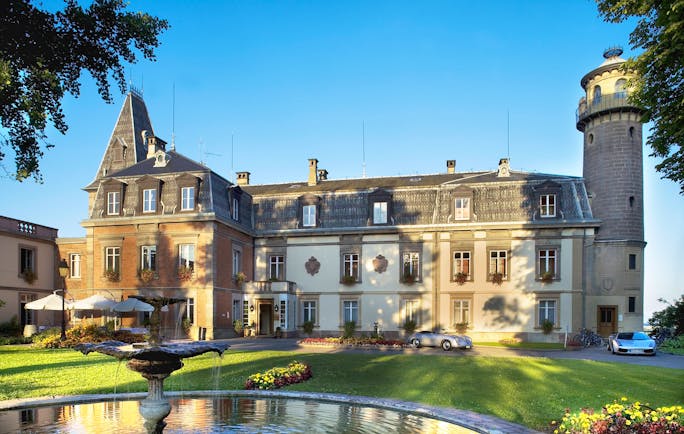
(348, 280)
(184, 273)
(147, 275)
(29, 276)
(111, 275)
(461, 278)
(497, 278)
(547, 277)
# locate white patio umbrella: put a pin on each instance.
(51, 302)
(94, 302)
(132, 305)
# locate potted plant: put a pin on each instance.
(408, 278)
(146, 275)
(278, 333)
(184, 272)
(497, 278)
(237, 326)
(247, 331)
(547, 326)
(111, 274)
(461, 278)
(461, 327)
(29, 276)
(240, 278)
(308, 327)
(547, 277)
(348, 280)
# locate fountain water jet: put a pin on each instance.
(154, 361)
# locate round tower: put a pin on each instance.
(613, 161)
(613, 176)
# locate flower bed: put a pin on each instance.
(275, 378)
(635, 418)
(354, 342)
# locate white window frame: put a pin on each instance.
(276, 267)
(309, 215)
(410, 310)
(410, 261)
(379, 213)
(113, 259)
(461, 311)
(547, 309)
(237, 261)
(187, 198)
(462, 208)
(75, 265)
(547, 260)
(498, 259)
(186, 256)
(149, 200)
(113, 203)
(350, 311)
(235, 211)
(461, 262)
(189, 313)
(350, 265)
(148, 257)
(547, 205)
(309, 311)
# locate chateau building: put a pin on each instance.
(501, 253)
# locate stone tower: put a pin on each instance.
(613, 174)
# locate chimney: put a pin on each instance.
(451, 166)
(153, 144)
(504, 168)
(313, 171)
(322, 174)
(242, 178)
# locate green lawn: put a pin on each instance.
(529, 391)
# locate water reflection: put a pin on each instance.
(220, 415)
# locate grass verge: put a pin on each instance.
(528, 391)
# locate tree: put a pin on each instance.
(672, 317)
(42, 55)
(659, 88)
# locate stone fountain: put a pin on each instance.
(154, 361)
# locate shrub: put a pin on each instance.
(670, 317)
(276, 378)
(620, 417)
(308, 327)
(11, 327)
(14, 340)
(461, 327)
(51, 338)
(237, 326)
(409, 326)
(349, 329)
(673, 345)
(547, 326)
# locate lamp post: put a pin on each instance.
(63, 271)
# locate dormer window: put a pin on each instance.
(309, 211)
(462, 208)
(149, 200)
(187, 198)
(235, 209)
(380, 207)
(379, 213)
(309, 215)
(113, 203)
(547, 205)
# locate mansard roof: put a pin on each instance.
(178, 163)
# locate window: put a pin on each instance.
(187, 198)
(237, 261)
(410, 266)
(350, 266)
(26, 260)
(621, 88)
(149, 200)
(186, 256)
(350, 310)
(547, 311)
(631, 304)
(74, 265)
(632, 261)
(597, 95)
(309, 215)
(235, 211)
(410, 310)
(497, 262)
(148, 257)
(276, 267)
(461, 264)
(379, 213)
(462, 208)
(189, 313)
(245, 313)
(547, 205)
(113, 203)
(237, 313)
(461, 312)
(283, 314)
(547, 262)
(309, 308)
(113, 259)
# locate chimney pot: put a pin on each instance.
(451, 166)
(313, 171)
(243, 178)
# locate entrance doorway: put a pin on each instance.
(265, 319)
(607, 320)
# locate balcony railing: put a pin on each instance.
(609, 102)
(262, 286)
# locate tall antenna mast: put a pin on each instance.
(232, 155)
(363, 148)
(508, 135)
(173, 119)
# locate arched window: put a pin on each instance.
(597, 95)
(621, 88)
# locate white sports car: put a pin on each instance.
(434, 339)
(631, 343)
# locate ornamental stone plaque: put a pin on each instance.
(380, 264)
(312, 266)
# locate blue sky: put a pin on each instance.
(285, 81)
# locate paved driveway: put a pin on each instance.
(595, 353)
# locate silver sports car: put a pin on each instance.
(631, 343)
(434, 339)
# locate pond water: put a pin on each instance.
(223, 415)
